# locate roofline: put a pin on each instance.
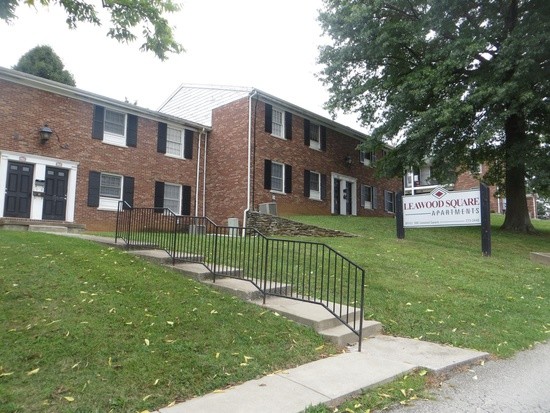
(346, 130)
(47, 85)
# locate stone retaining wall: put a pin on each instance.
(270, 225)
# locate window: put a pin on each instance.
(110, 186)
(278, 125)
(314, 185)
(114, 127)
(314, 136)
(115, 122)
(277, 177)
(172, 197)
(174, 143)
(105, 190)
(389, 201)
(368, 197)
(367, 158)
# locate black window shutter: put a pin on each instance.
(288, 179)
(97, 123)
(161, 137)
(128, 192)
(131, 130)
(94, 180)
(306, 132)
(267, 174)
(323, 187)
(288, 125)
(159, 196)
(185, 200)
(323, 138)
(188, 144)
(268, 118)
(307, 186)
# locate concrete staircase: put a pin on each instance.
(306, 313)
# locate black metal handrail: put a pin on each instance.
(299, 270)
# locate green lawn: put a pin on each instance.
(436, 285)
(86, 328)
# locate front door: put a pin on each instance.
(55, 194)
(19, 190)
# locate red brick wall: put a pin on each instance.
(227, 165)
(23, 110)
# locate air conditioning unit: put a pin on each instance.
(367, 162)
(269, 208)
(368, 204)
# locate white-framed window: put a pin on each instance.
(367, 158)
(314, 136)
(174, 142)
(110, 191)
(278, 123)
(314, 185)
(277, 177)
(172, 197)
(389, 201)
(368, 197)
(114, 127)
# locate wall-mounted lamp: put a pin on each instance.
(45, 134)
(347, 161)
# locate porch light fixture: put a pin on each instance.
(45, 133)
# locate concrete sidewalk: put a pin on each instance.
(331, 380)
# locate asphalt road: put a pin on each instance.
(520, 384)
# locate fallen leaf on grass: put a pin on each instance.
(30, 373)
(146, 342)
(6, 374)
(146, 397)
(69, 398)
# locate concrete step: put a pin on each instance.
(162, 257)
(48, 228)
(541, 257)
(342, 335)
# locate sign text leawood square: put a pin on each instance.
(442, 208)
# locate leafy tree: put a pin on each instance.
(460, 82)
(42, 61)
(125, 16)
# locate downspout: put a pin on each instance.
(249, 168)
(198, 175)
(204, 176)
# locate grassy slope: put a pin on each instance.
(91, 329)
(435, 284)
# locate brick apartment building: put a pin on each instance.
(210, 151)
(101, 151)
(265, 151)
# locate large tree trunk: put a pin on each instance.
(516, 142)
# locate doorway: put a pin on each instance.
(55, 194)
(344, 198)
(18, 190)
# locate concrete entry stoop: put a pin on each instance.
(306, 313)
(541, 257)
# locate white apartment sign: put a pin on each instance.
(442, 208)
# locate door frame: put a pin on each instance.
(40, 164)
(342, 202)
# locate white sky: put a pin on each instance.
(272, 46)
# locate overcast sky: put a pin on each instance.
(272, 46)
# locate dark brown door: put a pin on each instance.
(55, 194)
(19, 190)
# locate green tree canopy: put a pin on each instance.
(42, 61)
(459, 82)
(125, 16)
